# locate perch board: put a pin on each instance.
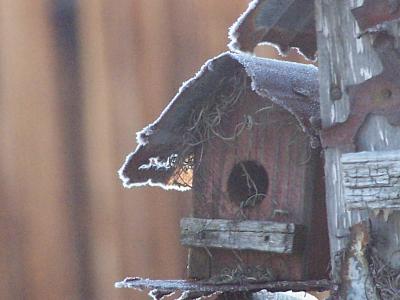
(245, 235)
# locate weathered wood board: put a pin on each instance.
(371, 179)
(342, 62)
(348, 58)
(240, 235)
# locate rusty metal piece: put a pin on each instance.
(379, 95)
(169, 286)
(373, 12)
(284, 23)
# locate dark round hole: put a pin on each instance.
(266, 238)
(247, 183)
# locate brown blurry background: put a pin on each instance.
(77, 80)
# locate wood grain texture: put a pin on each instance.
(37, 238)
(345, 59)
(205, 286)
(244, 235)
(341, 58)
(104, 249)
(292, 197)
(371, 180)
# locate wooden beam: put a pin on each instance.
(244, 235)
(203, 286)
(371, 179)
(341, 57)
(346, 57)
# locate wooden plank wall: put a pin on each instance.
(77, 80)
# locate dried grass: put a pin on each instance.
(242, 274)
(386, 278)
(205, 124)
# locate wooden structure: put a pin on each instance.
(240, 235)
(241, 133)
(360, 111)
(359, 71)
(371, 180)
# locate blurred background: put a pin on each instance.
(77, 80)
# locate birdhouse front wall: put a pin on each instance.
(268, 142)
(273, 140)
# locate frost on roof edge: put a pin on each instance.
(161, 147)
(282, 24)
(233, 32)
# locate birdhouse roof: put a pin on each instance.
(166, 147)
(285, 24)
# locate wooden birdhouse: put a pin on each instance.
(243, 135)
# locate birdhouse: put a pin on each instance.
(243, 135)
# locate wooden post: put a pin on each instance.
(347, 59)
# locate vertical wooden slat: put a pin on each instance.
(32, 157)
(121, 30)
(347, 59)
(97, 117)
(65, 26)
(337, 68)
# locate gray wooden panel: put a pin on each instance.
(244, 235)
(371, 179)
(343, 60)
